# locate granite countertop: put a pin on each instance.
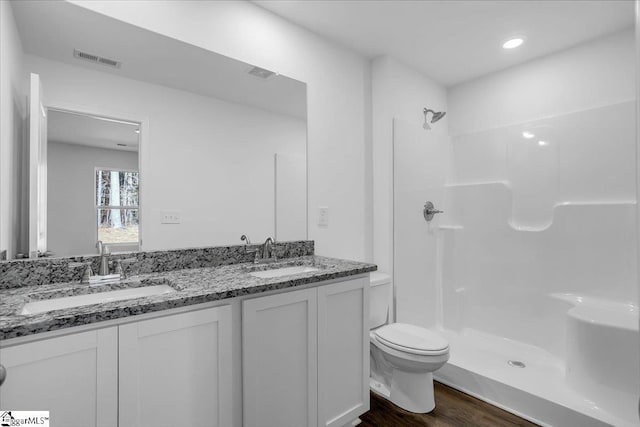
(192, 286)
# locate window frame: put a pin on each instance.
(96, 207)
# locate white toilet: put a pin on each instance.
(403, 357)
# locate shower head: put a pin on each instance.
(437, 116)
(434, 118)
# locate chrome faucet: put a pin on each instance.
(105, 253)
(268, 254)
(267, 249)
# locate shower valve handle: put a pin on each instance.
(429, 211)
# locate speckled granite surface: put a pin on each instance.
(42, 271)
(192, 285)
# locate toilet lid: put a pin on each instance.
(411, 338)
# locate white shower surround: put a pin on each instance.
(544, 277)
(585, 388)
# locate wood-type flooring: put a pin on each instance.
(453, 409)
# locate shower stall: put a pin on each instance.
(530, 271)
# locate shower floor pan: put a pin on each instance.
(538, 391)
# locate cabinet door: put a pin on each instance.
(176, 370)
(343, 352)
(279, 353)
(73, 377)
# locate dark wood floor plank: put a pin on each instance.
(453, 409)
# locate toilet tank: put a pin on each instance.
(379, 298)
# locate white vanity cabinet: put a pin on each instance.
(306, 356)
(293, 358)
(343, 352)
(72, 376)
(279, 360)
(165, 371)
(176, 370)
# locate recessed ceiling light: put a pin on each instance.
(527, 135)
(137, 130)
(513, 43)
(543, 143)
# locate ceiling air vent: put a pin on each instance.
(96, 59)
(262, 73)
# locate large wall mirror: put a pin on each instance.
(152, 143)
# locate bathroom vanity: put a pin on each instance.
(283, 344)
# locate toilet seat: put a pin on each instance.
(411, 339)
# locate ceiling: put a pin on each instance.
(456, 41)
(80, 129)
(53, 29)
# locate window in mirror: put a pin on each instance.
(117, 206)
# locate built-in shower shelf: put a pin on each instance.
(489, 203)
(471, 183)
(529, 228)
(596, 203)
(450, 227)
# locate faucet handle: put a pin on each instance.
(118, 270)
(88, 272)
(127, 268)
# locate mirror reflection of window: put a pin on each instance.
(92, 181)
(117, 206)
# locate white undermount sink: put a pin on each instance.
(95, 298)
(284, 271)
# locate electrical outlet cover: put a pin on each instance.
(323, 216)
(170, 217)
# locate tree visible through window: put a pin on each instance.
(117, 206)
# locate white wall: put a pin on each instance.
(71, 222)
(399, 92)
(586, 76)
(210, 159)
(291, 197)
(420, 173)
(337, 82)
(12, 130)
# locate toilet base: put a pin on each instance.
(378, 388)
(412, 391)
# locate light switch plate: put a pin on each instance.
(170, 217)
(323, 216)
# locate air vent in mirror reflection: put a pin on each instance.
(96, 59)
